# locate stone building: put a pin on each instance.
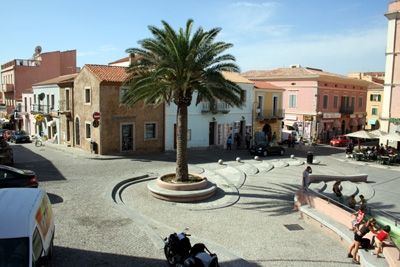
(121, 129)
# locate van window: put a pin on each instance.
(37, 246)
(14, 252)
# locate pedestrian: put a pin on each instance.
(351, 202)
(229, 142)
(289, 140)
(358, 236)
(306, 180)
(363, 202)
(379, 238)
(248, 139)
(360, 214)
(337, 189)
(273, 138)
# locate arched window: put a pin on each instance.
(77, 130)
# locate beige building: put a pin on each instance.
(374, 106)
(268, 112)
(122, 129)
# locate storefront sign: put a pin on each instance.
(327, 121)
(353, 116)
(308, 117)
(332, 115)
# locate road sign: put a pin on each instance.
(96, 115)
(95, 123)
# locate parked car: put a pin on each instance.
(20, 137)
(265, 149)
(6, 153)
(340, 140)
(26, 227)
(13, 177)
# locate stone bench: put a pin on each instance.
(315, 178)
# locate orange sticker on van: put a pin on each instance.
(44, 216)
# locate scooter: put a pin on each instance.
(180, 253)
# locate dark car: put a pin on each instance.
(264, 149)
(20, 137)
(13, 177)
(6, 153)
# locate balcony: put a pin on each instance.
(268, 114)
(346, 109)
(42, 109)
(218, 107)
(8, 87)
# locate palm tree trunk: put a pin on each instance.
(182, 172)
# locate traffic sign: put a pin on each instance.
(96, 115)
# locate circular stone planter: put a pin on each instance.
(181, 192)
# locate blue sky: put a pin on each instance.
(338, 36)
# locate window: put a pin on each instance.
(374, 111)
(52, 102)
(87, 128)
(87, 95)
(376, 98)
(34, 99)
(67, 99)
(243, 96)
(360, 102)
(292, 101)
(353, 101)
(122, 92)
(150, 131)
(325, 101)
(335, 101)
(77, 132)
(26, 104)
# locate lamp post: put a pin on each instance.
(318, 122)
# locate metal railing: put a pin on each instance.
(269, 114)
(218, 107)
(347, 109)
(45, 109)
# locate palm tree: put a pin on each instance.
(171, 66)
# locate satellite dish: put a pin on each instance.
(38, 50)
(41, 96)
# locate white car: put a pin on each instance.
(26, 227)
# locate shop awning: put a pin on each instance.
(371, 121)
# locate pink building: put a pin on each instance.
(318, 104)
(18, 75)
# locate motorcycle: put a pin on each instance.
(180, 253)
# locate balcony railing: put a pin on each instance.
(346, 109)
(218, 107)
(44, 109)
(269, 114)
(8, 87)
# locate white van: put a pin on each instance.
(26, 227)
(285, 135)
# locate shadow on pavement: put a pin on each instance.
(26, 159)
(55, 199)
(64, 256)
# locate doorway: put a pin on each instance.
(127, 137)
(211, 133)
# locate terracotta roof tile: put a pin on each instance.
(58, 79)
(108, 73)
(266, 85)
(235, 77)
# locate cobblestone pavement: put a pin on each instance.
(94, 227)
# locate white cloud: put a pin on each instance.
(248, 18)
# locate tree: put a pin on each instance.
(171, 66)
